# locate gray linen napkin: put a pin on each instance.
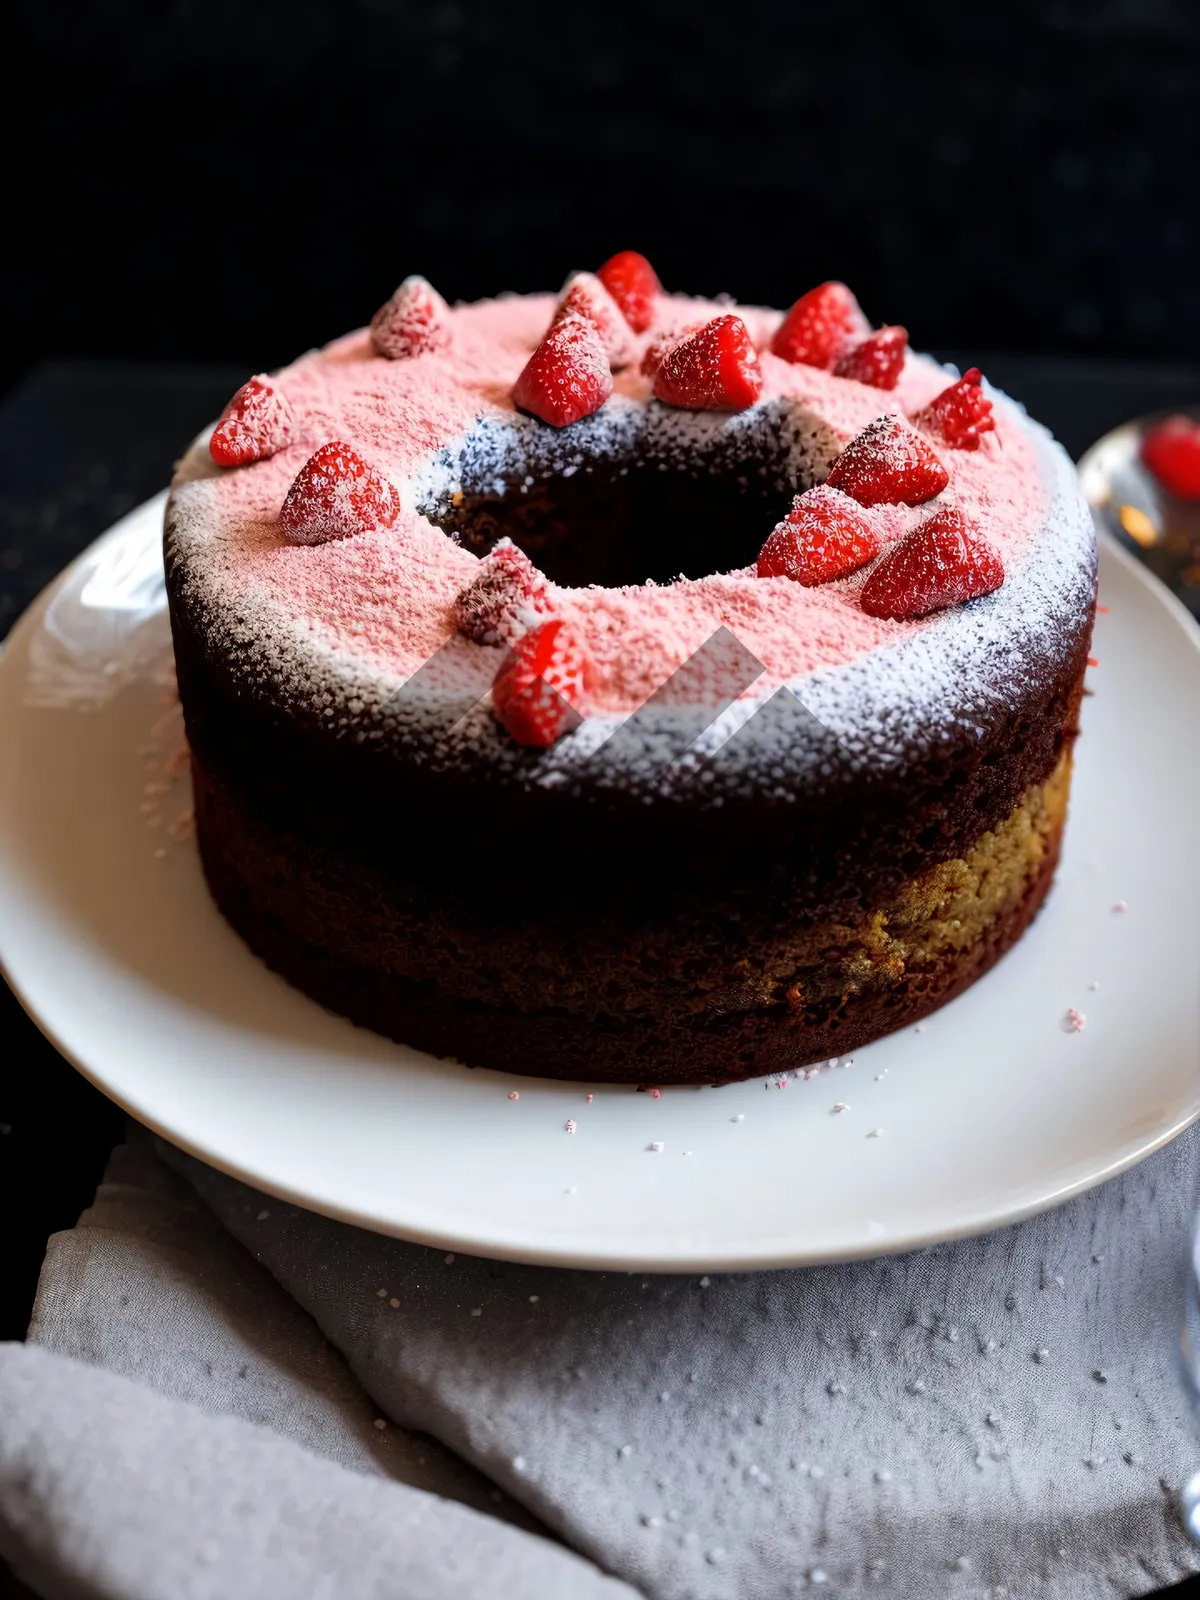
(108, 1490)
(993, 1417)
(151, 1499)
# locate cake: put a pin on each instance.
(621, 686)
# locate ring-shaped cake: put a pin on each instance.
(768, 825)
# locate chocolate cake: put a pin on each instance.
(622, 686)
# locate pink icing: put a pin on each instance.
(386, 598)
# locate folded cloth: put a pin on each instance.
(151, 1286)
(995, 1416)
(108, 1489)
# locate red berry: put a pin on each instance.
(888, 463)
(535, 690)
(942, 562)
(878, 359)
(715, 369)
(414, 320)
(819, 326)
(825, 535)
(652, 357)
(961, 414)
(336, 494)
(258, 422)
(633, 284)
(1171, 451)
(585, 296)
(507, 596)
(567, 376)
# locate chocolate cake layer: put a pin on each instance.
(640, 1001)
(560, 859)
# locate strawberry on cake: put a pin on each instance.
(619, 685)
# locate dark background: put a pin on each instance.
(198, 191)
(236, 182)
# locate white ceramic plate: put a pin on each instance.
(994, 1110)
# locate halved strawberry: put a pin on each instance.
(535, 690)
(567, 376)
(258, 422)
(1171, 451)
(414, 320)
(961, 414)
(888, 463)
(585, 296)
(507, 596)
(878, 359)
(715, 369)
(820, 326)
(942, 562)
(633, 284)
(652, 356)
(824, 536)
(336, 494)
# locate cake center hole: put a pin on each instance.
(625, 517)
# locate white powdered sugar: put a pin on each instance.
(331, 643)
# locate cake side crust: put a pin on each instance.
(670, 1006)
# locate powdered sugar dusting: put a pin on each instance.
(257, 422)
(341, 627)
(416, 319)
(585, 296)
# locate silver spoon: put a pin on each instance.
(1158, 527)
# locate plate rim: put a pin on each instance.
(745, 1258)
